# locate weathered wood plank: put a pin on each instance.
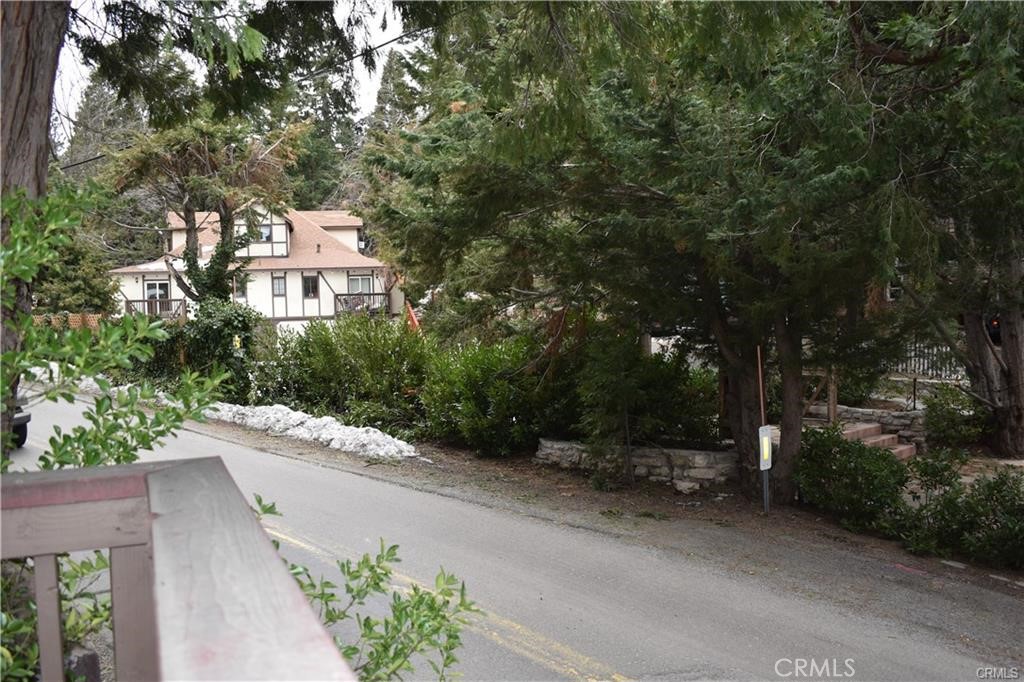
(68, 486)
(226, 606)
(29, 531)
(51, 649)
(131, 586)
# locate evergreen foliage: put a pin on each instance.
(647, 160)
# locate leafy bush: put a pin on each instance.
(984, 521)
(665, 400)
(203, 344)
(483, 396)
(855, 385)
(277, 368)
(860, 484)
(936, 524)
(222, 335)
(994, 519)
(954, 418)
(382, 366)
(864, 487)
(367, 369)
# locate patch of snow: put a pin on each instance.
(279, 420)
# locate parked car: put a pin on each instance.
(21, 420)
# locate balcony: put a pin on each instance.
(166, 308)
(373, 304)
(197, 589)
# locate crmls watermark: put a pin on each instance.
(993, 673)
(814, 667)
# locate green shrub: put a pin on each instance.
(276, 368)
(383, 364)
(222, 334)
(993, 511)
(484, 396)
(861, 485)
(983, 521)
(667, 402)
(936, 524)
(323, 369)
(367, 369)
(855, 385)
(163, 368)
(954, 418)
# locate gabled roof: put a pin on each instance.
(311, 248)
(333, 219)
(325, 219)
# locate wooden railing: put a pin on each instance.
(361, 303)
(156, 307)
(197, 589)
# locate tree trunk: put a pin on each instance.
(31, 34)
(743, 415)
(789, 344)
(997, 374)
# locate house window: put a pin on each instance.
(277, 284)
(310, 286)
(265, 233)
(893, 291)
(241, 287)
(158, 290)
(360, 285)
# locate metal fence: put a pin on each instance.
(929, 360)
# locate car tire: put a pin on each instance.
(20, 435)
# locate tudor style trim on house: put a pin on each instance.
(305, 265)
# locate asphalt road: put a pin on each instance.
(567, 603)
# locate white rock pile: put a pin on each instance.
(279, 420)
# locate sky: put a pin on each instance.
(73, 75)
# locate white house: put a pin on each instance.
(305, 265)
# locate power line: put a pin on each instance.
(84, 161)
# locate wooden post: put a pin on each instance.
(133, 601)
(51, 648)
(833, 397)
(760, 386)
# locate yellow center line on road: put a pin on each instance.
(508, 634)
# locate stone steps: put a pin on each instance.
(871, 434)
(883, 440)
(860, 431)
(904, 451)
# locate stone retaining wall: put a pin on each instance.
(907, 424)
(686, 470)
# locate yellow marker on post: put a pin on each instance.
(237, 341)
(764, 435)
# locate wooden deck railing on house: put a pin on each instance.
(156, 307)
(198, 591)
(362, 303)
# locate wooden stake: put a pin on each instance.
(760, 385)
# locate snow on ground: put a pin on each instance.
(279, 420)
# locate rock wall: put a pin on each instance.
(907, 424)
(686, 470)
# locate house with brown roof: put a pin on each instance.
(304, 265)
